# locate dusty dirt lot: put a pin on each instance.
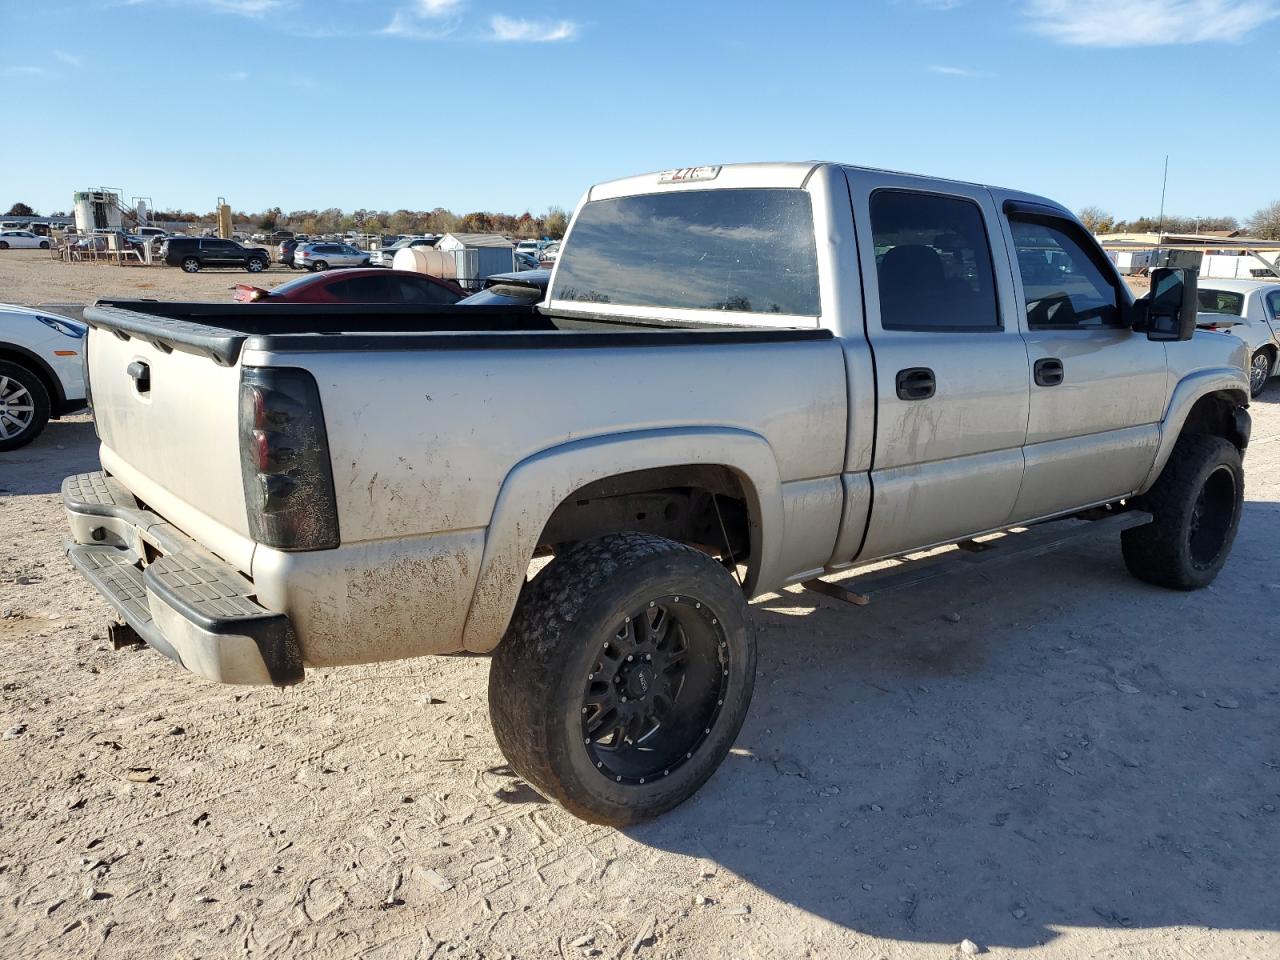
(31, 277)
(1049, 759)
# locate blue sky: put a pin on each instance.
(472, 104)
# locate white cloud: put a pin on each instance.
(434, 9)
(1141, 23)
(249, 8)
(70, 59)
(516, 30)
(238, 75)
(21, 70)
(953, 71)
(425, 19)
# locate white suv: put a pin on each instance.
(41, 371)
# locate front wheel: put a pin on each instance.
(255, 265)
(4, 244)
(1196, 507)
(191, 265)
(24, 406)
(624, 677)
(1259, 372)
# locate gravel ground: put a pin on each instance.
(1048, 759)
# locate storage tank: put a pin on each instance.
(96, 210)
(434, 263)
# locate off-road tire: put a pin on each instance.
(1161, 552)
(539, 671)
(39, 400)
(191, 265)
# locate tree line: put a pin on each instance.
(1264, 224)
(552, 223)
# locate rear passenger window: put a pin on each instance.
(933, 263)
(1064, 279)
(424, 291)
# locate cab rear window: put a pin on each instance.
(751, 251)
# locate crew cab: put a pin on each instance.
(742, 377)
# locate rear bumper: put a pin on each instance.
(183, 601)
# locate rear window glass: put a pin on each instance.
(1221, 301)
(744, 250)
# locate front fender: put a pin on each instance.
(1189, 391)
(536, 486)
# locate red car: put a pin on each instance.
(373, 285)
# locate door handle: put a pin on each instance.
(1049, 372)
(915, 383)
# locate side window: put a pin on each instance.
(1273, 304)
(1063, 278)
(933, 263)
(372, 290)
(1220, 301)
(424, 291)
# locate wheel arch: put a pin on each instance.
(21, 355)
(1212, 402)
(539, 486)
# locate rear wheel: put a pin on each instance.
(319, 265)
(24, 406)
(1196, 507)
(44, 244)
(191, 265)
(624, 678)
(1259, 371)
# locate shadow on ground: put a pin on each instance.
(67, 446)
(1047, 760)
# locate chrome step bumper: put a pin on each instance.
(186, 603)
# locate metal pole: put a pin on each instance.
(1164, 183)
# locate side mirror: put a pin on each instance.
(1172, 304)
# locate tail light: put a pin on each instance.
(284, 460)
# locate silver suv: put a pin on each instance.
(323, 256)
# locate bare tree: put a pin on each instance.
(1096, 220)
(1266, 222)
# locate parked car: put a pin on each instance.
(384, 256)
(550, 253)
(41, 371)
(278, 235)
(1255, 304)
(22, 239)
(530, 247)
(523, 286)
(526, 262)
(285, 253)
(194, 254)
(725, 377)
(324, 256)
(369, 285)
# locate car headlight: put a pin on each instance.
(68, 328)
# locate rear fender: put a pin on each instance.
(537, 485)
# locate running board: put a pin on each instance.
(1017, 544)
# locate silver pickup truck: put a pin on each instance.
(742, 377)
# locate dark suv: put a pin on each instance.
(193, 254)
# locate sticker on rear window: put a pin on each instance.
(685, 174)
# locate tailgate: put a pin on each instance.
(167, 418)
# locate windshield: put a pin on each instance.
(1221, 301)
(743, 250)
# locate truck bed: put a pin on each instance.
(220, 331)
